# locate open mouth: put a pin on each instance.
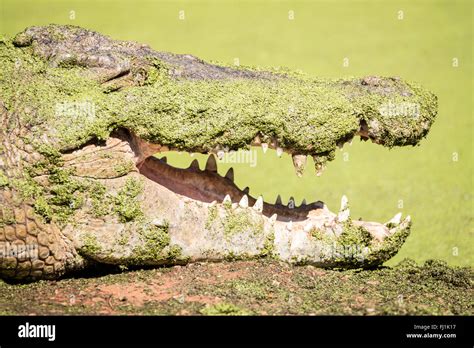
(208, 217)
(206, 187)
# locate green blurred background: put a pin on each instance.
(416, 40)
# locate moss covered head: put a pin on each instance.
(85, 85)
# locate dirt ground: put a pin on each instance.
(250, 288)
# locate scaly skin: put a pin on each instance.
(82, 116)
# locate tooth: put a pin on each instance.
(303, 202)
(230, 174)
(164, 159)
(318, 166)
(279, 151)
(319, 169)
(194, 164)
(289, 226)
(291, 203)
(344, 212)
(258, 206)
(344, 202)
(246, 190)
(213, 203)
(264, 147)
(244, 202)
(211, 164)
(299, 161)
(227, 199)
(395, 220)
(404, 224)
(278, 200)
(308, 227)
(158, 222)
(274, 143)
(273, 218)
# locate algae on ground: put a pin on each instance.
(256, 287)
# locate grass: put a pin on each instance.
(432, 182)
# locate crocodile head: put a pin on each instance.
(83, 117)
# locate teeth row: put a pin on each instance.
(343, 215)
(244, 202)
(211, 166)
(299, 162)
(291, 202)
(258, 207)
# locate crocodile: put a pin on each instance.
(85, 121)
